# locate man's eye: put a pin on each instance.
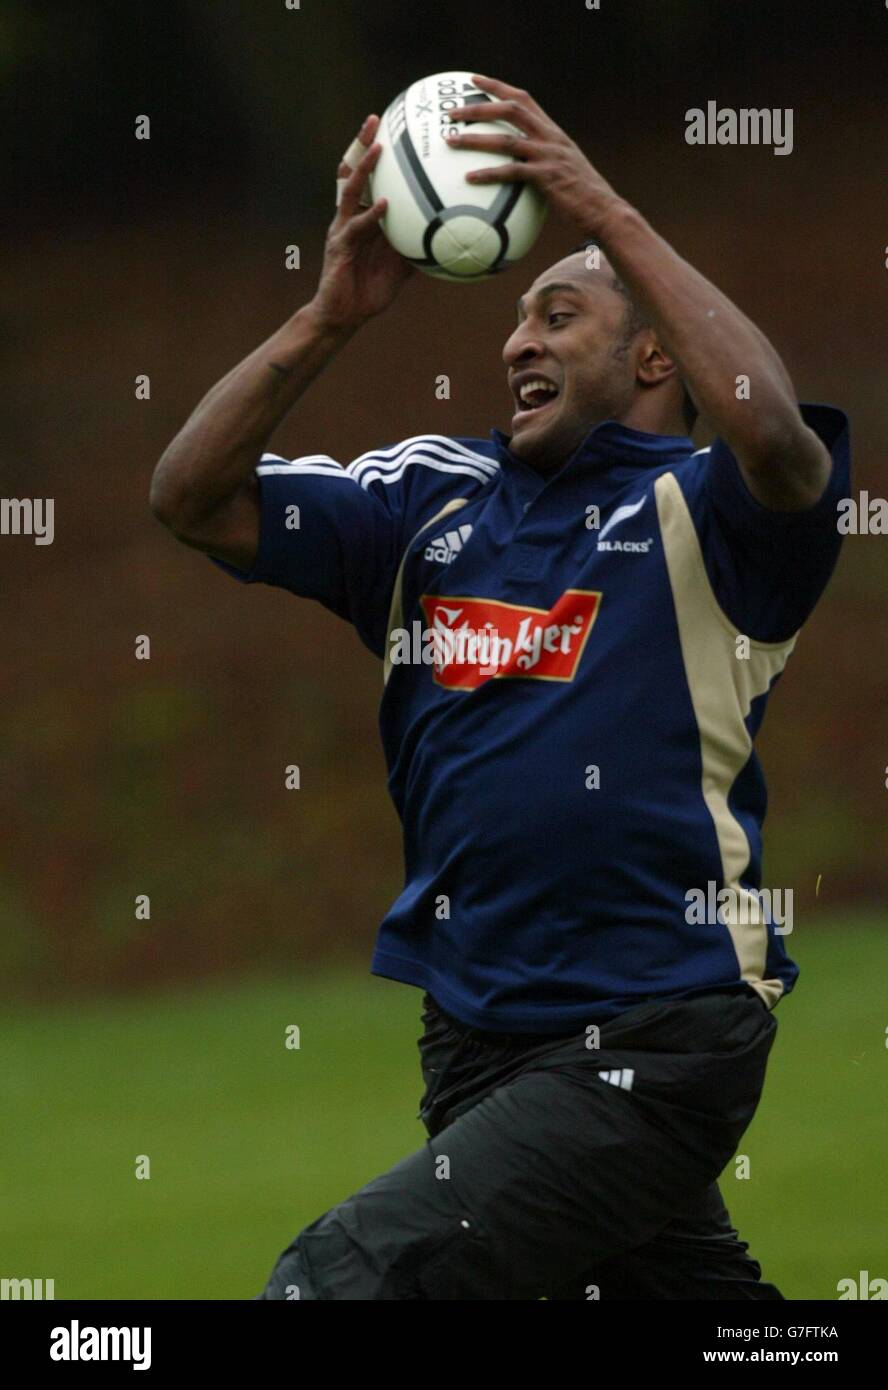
(559, 314)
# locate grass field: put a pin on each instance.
(248, 1141)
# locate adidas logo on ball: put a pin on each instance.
(442, 224)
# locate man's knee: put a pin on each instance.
(290, 1279)
(399, 1237)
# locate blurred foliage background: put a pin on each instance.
(166, 257)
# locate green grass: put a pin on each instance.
(248, 1141)
(815, 1207)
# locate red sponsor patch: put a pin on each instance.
(480, 639)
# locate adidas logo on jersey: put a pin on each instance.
(445, 548)
(620, 1076)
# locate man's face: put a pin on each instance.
(570, 335)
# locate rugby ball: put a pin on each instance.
(445, 226)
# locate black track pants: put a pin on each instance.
(556, 1169)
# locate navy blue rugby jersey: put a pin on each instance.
(575, 670)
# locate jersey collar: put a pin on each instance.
(608, 442)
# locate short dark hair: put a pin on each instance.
(634, 322)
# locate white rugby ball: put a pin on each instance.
(446, 226)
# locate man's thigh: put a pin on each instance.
(697, 1256)
(551, 1173)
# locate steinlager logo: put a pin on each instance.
(483, 639)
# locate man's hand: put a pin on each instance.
(204, 487)
(544, 155)
(362, 273)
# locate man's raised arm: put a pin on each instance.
(784, 464)
(204, 486)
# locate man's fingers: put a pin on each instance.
(518, 145)
(364, 138)
(501, 89)
(504, 173)
(362, 220)
(359, 227)
(349, 178)
(512, 111)
(352, 182)
(352, 158)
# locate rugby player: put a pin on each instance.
(592, 1052)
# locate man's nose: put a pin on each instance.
(521, 347)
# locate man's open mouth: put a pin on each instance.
(534, 395)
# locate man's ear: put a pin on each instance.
(653, 365)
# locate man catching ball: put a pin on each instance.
(577, 769)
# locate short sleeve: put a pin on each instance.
(324, 536)
(337, 534)
(768, 568)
